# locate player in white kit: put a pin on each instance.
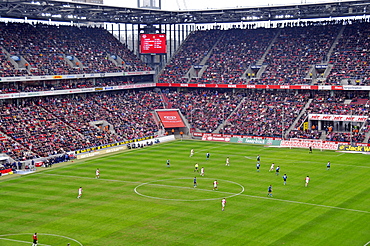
(223, 204)
(227, 161)
(97, 173)
(215, 183)
(79, 192)
(307, 179)
(272, 167)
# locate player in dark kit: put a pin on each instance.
(269, 191)
(277, 170)
(195, 182)
(285, 178)
(258, 167)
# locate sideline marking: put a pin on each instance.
(187, 200)
(367, 243)
(262, 197)
(55, 235)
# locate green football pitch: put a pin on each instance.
(138, 200)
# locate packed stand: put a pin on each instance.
(120, 110)
(41, 52)
(124, 110)
(345, 137)
(191, 52)
(335, 131)
(7, 69)
(350, 58)
(326, 104)
(305, 134)
(47, 48)
(115, 49)
(37, 130)
(234, 53)
(131, 112)
(295, 52)
(205, 110)
(265, 114)
(93, 47)
(16, 150)
(55, 125)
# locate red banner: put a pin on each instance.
(243, 86)
(170, 119)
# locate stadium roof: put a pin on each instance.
(82, 12)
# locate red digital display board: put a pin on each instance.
(153, 43)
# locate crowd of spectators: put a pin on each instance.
(350, 58)
(295, 52)
(14, 149)
(205, 109)
(54, 125)
(265, 114)
(345, 137)
(58, 50)
(191, 52)
(7, 69)
(291, 58)
(45, 126)
(234, 53)
(93, 47)
(47, 50)
(305, 134)
(36, 129)
(333, 105)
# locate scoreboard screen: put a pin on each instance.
(153, 43)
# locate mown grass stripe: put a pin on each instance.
(110, 213)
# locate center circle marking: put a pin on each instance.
(189, 200)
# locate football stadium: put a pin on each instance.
(144, 126)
